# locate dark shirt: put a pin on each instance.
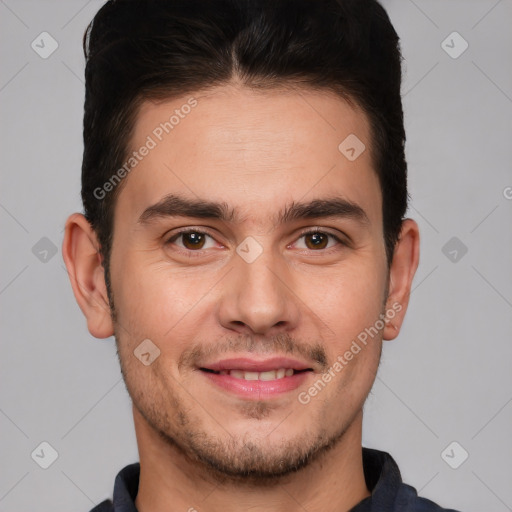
(383, 480)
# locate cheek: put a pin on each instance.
(347, 299)
(144, 299)
(350, 308)
(155, 301)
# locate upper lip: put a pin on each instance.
(255, 365)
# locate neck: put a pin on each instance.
(333, 482)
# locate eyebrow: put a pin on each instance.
(173, 205)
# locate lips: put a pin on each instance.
(253, 379)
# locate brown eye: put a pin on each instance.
(317, 240)
(191, 240)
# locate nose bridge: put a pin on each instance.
(257, 294)
(259, 278)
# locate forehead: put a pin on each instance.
(254, 150)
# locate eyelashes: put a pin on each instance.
(198, 248)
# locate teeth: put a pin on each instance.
(270, 375)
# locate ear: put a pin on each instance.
(403, 267)
(80, 250)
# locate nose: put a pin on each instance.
(258, 297)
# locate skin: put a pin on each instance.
(201, 447)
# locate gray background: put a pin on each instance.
(446, 378)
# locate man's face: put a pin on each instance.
(282, 294)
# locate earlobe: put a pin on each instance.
(80, 250)
(403, 268)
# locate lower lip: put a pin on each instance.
(257, 389)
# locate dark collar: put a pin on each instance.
(383, 480)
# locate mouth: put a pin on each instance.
(253, 379)
(268, 375)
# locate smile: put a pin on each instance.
(281, 373)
